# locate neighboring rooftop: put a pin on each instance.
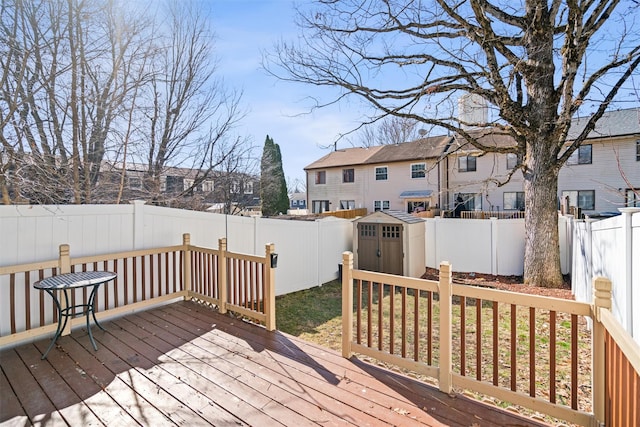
(612, 123)
(423, 148)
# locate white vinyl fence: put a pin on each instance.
(610, 248)
(308, 251)
(486, 246)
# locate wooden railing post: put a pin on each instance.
(445, 379)
(64, 266)
(222, 275)
(270, 289)
(601, 301)
(186, 265)
(347, 303)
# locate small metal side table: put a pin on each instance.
(69, 282)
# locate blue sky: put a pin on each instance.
(245, 28)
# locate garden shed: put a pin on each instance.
(390, 242)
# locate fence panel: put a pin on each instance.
(309, 250)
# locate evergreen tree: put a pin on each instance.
(273, 186)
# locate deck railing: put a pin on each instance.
(491, 214)
(524, 349)
(145, 278)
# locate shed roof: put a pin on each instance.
(399, 215)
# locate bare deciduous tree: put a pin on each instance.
(90, 89)
(390, 130)
(534, 62)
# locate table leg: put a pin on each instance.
(61, 324)
(91, 309)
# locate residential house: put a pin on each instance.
(601, 176)
(184, 187)
(298, 200)
(406, 177)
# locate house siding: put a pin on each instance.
(611, 158)
(613, 169)
(365, 190)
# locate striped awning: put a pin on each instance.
(416, 194)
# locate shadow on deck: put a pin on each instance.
(184, 363)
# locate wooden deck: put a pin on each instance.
(186, 364)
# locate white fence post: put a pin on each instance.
(494, 245)
(627, 214)
(138, 224)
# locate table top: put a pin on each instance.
(75, 280)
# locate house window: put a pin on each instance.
(638, 150)
(633, 198)
(348, 175)
(347, 204)
(381, 173)
(187, 183)
(135, 183)
(207, 186)
(583, 199)
(469, 201)
(513, 201)
(582, 156)
(321, 177)
(512, 160)
(418, 170)
(466, 163)
(235, 187)
(248, 187)
(319, 206)
(417, 206)
(380, 205)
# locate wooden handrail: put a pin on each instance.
(145, 277)
(374, 314)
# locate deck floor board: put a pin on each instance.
(186, 364)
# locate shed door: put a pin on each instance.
(380, 248)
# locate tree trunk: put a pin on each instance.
(542, 249)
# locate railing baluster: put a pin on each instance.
(392, 335)
(12, 301)
(41, 299)
(532, 351)
(404, 321)
(369, 305)
(429, 327)
(495, 343)
(463, 336)
(478, 339)
(358, 311)
(574, 361)
(27, 300)
(380, 305)
(514, 348)
(416, 324)
(552, 356)
(144, 277)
